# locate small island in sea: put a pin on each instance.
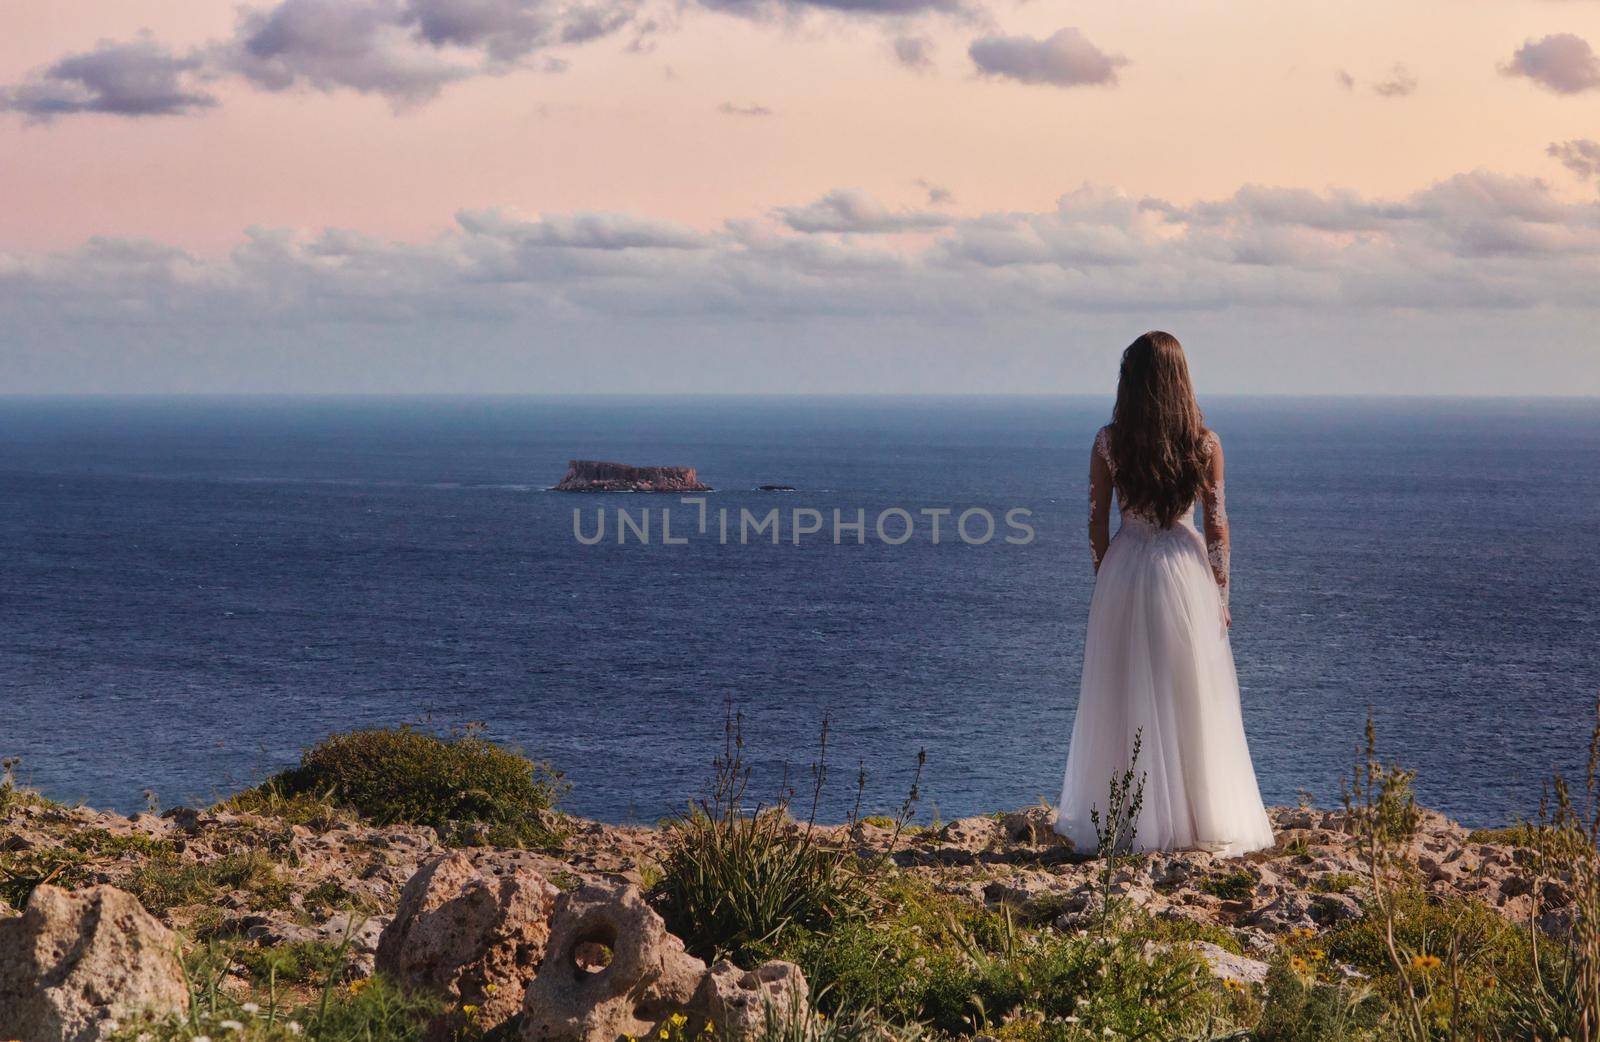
(598, 476)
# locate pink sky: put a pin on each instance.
(1215, 95)
(1344, 174)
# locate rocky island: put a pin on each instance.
(598, 476)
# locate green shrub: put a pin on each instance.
(1301, 1009)
(735, 881)
(1233, 886)
(468, 788)
(1335, 883)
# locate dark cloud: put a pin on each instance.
(938, 195)
(139, 78)
(1400, 83)
(1560, 62)
(851, 211)
(763, 9)
(914, 52)
(507, 30)
(332, 44)
(1065, 59)
(403, 50)
(1581, 156)
(728, 108)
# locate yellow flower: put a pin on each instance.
(1305, 931)
(1299, 965)
(1317, 954)
(469, 1009)
(1425, 962)
(678, 1020)
(663, 1033)
(356, 987)
(490, 989)
(1232, 985)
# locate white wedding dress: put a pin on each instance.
(1157, 663)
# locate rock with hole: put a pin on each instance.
(610, 969)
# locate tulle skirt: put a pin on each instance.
(1157, 663)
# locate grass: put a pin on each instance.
(472, 791)
(1237, 885)
(1335, 883)
(735, 879)
(23, 872)
(166, 882)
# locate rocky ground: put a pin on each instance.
(338, 883)
(213, 872)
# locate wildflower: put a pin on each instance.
(250, 1008)
(469, 1009)
(356, 987)
(1232, 985)
(1425, 962)
(231, 1025)
(1299, 965)
(1317, 954)
(678, 1020)
(294, 1027)
(490, 989)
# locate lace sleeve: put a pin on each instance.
(1213, 498)
(1100, 485)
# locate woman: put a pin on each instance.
(1157, 666)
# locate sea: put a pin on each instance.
(194, 590)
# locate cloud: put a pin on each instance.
(1345, 80)
(851, 211)
(728, 108)
(938, 195)
(1400, 83)
(1560, 62)
(404, 50)
(1477, 242)
(914, 52)
(137, 78)
(1065, 59)
(584, 230)
(1581, 156)
(769, 9)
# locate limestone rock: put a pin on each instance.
(469, 936)
(73, 963)
(610, 969)
(1228, 966)
(737, 1002)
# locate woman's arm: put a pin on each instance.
(1218, 545)
(1099, 501)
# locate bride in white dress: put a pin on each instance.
(1157, 663)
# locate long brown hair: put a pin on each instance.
(1158, 436)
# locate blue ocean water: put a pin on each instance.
(195, 589)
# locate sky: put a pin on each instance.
(778, 196)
